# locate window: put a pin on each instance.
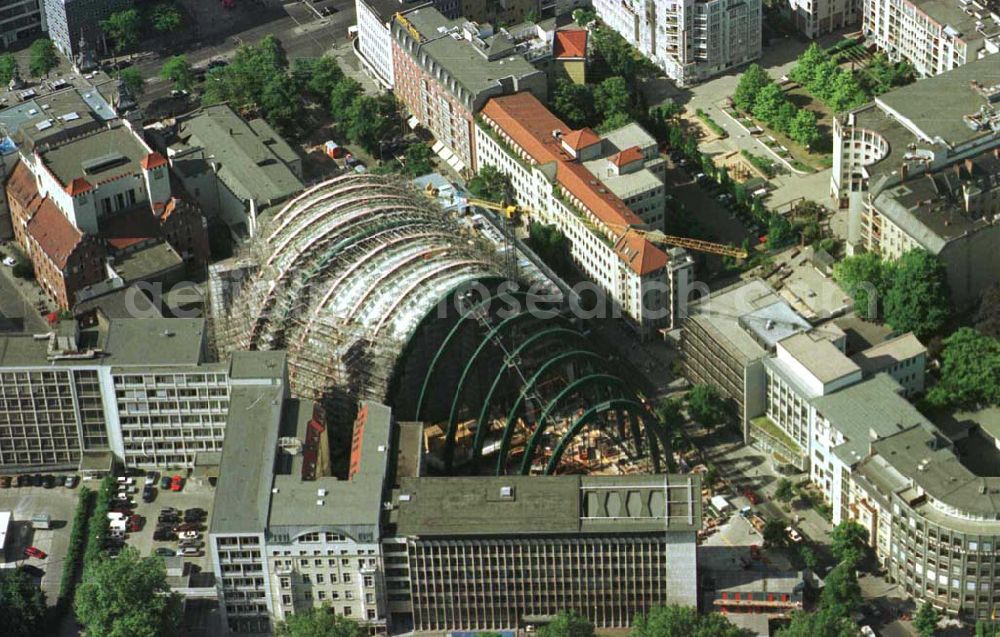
(347, 577)
(347, 611)
(319, 578)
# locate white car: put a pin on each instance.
(189, 552)
(10, 262)
(793, 535)
(126, 481)
(188, 535)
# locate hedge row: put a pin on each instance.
(76, 538)
(97, 530)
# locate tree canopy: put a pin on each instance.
(806, 64)
(860, 276)
(822, 622)
(419, 159)
(319, 622)
(751, 82)
(8, 68)
(918, 300)
(970, 371)
(133, 81)
(165, 18)
(43, 57)
(122, 28)
(127, 596)
(567, 624)
(926, 619)
(705, 405)
(178, 70)
(573, 103)
(804, 129)
(682, 621)
(490, 184)
(774, 533)
(848, 541)
(22, 604)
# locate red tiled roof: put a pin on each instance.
(526, 121)
(580, 139)
(77, 186)
(570, 43)
(54, 233)
(627, 156)
(21, 187)
(152, 160)
(641, 255)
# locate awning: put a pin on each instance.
(456, 163)
(437, 147)
(413, 122)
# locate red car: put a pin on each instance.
(36, 553)
(176, 483)
(135, 523)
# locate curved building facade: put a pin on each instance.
(378, 294)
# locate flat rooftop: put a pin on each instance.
(62, 114)
(547, 505)
(738, 317)
(114, 152)
(154, 342)
(887, 353)
(149, 263)
(866, 411)
(819, 356)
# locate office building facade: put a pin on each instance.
(73, 21)
(20, 20)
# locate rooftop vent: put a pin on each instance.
(103, 162)
(321, 492)
(405, 497)
(319, 503)
(507, 492)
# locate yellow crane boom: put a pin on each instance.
(655, 236)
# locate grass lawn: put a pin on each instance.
(797, 155)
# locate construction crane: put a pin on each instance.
(698, 245)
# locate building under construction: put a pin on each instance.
(378, 294)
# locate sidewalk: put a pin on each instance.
(20, 299)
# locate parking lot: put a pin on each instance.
(58, 503)
(193, 495)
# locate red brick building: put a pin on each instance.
(64, 258)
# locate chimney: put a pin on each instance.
(968, 165)
(904, 171)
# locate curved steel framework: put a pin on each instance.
(350, 270)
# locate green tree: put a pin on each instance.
(779, 232)
(926, 619)
(166, 18)
(281, 103)
(551, 246)
(847, 542)
(822, 80)
(918, 300)
(669, 411)
(768, 102)
(317, 76)
(43, 57)
(807, 63)
(783, 490)
(682, 621)
(803, 128)
(8, 68)
(574, 103)
(862, 275)
(178, 70)
(122, 28)
(774, 533)
(841, 591)
(751, 82)
(820, 623)
(133, 81)
(583, 17)
(371, 119)
(845, 93)
(808, 556)
(705, 405)
(319, 622)
(614, 121)
(613, 96)
(567, 624)
(342, 96)
(490, 184)
(419, 160)
(970, 371)
(22, 604)
(127, 597)
(786, 114)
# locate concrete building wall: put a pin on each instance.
(814, 18)
(375, 43)
(68, 19)
(20, 20)
(905, 32)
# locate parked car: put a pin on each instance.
(49, 481)
(151, 478)
(793, 535)
(36, 480)
(197, 544)
(194, 515)
(164, 552)
(188, 526)
(176, 483)
(35, 552)
(165, 482)
(125, 480)
(16, 481)
(163, 535)
(170, 509)
(32, 570)
(190, 552)
(71, 481)
(188, 535)
(148, 493)
(4, 482)
(10, 262)
(135, 523)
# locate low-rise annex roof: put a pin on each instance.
(569, 44)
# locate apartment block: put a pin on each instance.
(398, 551)
(934, 36)
(726, 337)
(446, 70)
(73, 21)
(691, 40)
(21, 20)
(136, 391)
(594, 189)
(814, 18)
(913, 180)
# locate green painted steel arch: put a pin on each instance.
(508, 431)
(584, 418)
(449, 443)
(484, 412)
(536, 436)
(447, 341)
